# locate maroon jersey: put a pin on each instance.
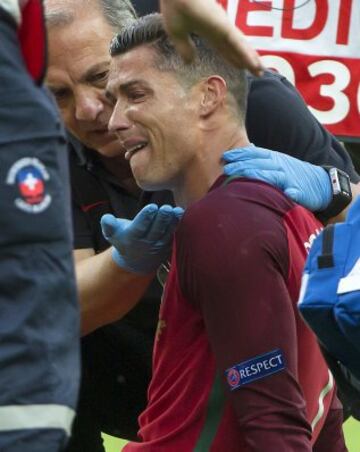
(235, 368)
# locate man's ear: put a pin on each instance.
(214, 92)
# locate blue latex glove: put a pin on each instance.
(142, 244)
(304, 183)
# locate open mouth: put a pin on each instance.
(131, 151)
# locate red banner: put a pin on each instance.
(316, 45)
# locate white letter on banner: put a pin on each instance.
(334, 90)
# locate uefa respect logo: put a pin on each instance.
(30, 177)
(253, 369)
(233, 378)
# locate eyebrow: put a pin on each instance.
(87, 76)
(122, 87)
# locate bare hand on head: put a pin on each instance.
(208, 19)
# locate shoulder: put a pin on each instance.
(274, 93)
(277, 117)
(249, 194)
(233, 230)
(270, 85)
(244, 207)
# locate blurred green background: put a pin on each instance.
(351, 429)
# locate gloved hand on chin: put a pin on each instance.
(142, 244)
(304, 183)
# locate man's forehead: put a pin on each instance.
(80, 20)
(69, 5)
(137, 63)
(80, 45)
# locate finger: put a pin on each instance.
(175, 221)
(172, 225)
(274, 178)
(251, 168)
(108, 225)
(113, 228)
(240, 53)
(161, 223)
(184, 46)
(294, 194)
(246, 153)
(142, 223)
(178, 212)
(224, 36)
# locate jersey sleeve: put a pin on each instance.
(278, 119)
(233, 265)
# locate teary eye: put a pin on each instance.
(136, 94)
(60, 93)
(100, 77)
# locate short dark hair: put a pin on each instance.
(150, 30)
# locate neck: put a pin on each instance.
(207, 165)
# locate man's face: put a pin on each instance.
(78, 70)
(155, 118)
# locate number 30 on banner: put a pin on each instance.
(333, 91)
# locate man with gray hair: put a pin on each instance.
(117, 358)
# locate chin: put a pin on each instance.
(151, 185)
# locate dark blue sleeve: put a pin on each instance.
(278, 119)
(39, 322)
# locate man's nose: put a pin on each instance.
(118, 120)
(88, 107)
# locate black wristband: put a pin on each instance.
(341, 193)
